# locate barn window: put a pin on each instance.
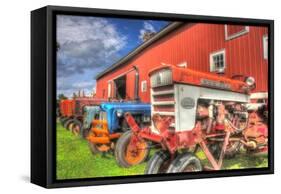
(144, 86)
(265, 46)
(234, 31)
(217, 61)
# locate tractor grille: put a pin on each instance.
(163, 102)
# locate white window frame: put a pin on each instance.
(242, 32)
(212, 65)
(265, 46)
(144, 86)
(109, 89)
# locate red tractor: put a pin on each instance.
(72, 112)
(66, 109)
(192, 109)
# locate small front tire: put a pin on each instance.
(126, 155)
(93, 148)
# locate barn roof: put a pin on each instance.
(140, 48)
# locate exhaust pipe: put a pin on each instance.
(136, 95)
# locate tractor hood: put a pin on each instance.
(112, 108)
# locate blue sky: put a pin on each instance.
(89, 45)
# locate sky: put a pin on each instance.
(89, 45)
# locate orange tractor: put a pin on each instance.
(192, 110)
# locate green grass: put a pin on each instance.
(240, 161)
(75, 160)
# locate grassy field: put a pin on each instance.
(75, 160)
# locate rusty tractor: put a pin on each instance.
(192, 110)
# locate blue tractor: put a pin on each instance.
(109, 124)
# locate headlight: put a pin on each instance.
(250, 81)
(119, 113)
(146, 118)
(161, 78)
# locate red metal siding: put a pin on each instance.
(193, 44)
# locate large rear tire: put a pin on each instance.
(158, 163)
(63, 120)
(185, 162)
(76, 128)
(232, 149)
(67, 123)
(125, 155)
(85, 132)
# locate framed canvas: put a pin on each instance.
(126, 96)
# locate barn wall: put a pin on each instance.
(193, 44)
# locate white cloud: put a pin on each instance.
(87, 45)
(86, 42)
(147, 27)
(83, 84)
(68, 86)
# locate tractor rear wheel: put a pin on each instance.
(232, 149)
(85, 132)
(185, 162)
(158, 163)
(67, 123)
(70, 126)
(127, 155)
(76, 128)
(63, 120)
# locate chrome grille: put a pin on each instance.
(161, 78)
(163, 102)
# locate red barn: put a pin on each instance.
(227, 50)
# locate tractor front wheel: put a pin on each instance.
(185, 162)
(93, 148)
(98, 148)
(128, 155)
(158, 163)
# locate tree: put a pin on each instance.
(62, 97)
(147, 35)
(74, 95)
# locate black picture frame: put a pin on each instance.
(43, 95)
